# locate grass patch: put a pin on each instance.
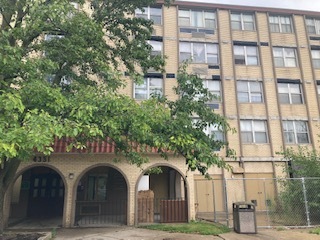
(315, 231)
(281, 229)
(202, 228)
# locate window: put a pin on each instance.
(151, 13)
(242, 21)
(97, 187)
(282, 24)
(295, 132)
(75, 5)
(197, 20)
(49, 37)
(150, 86)
(199, 52)
(318, 89)
(253, 131)
(156, 47)
(214, 88)
(313, 26)
(290, 93)
(217, 134)
(315, 58)
(249, 92)
(284, 57)
(65, 80)
(245, 55)
(52, 39)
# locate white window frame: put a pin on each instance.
(49, 37)
(284, 57)
(156, 45)
(214, 131)
(147, 14)
(149, 90)
(279, 24)
(245, 55)
(315, 54)
(251, 93)
(75, 5)
(243, 23)
(191, 21)
(191, 53)
(214, 88)
(253, 130)
(291, 134)
(314, 24)
(288, 90)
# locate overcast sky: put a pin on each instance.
(312, 5)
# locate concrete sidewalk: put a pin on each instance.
(131, 233)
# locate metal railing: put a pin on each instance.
(99, 213)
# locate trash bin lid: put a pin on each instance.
(243, 204)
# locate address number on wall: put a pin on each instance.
(41, 159)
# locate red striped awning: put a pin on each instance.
(107, 146)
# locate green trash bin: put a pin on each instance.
(244, 217)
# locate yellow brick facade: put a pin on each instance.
(252, 158)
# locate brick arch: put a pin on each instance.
(87, 169)
(82, 174)
(162, 165)
(168, 165)
(24, 170)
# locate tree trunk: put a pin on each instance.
(7, 172)
(2, 209)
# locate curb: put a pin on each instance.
(48, 236)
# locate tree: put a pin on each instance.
(303, 186)
(60, 69)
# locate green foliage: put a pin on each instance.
(304, 167)
(202, 228)
(190, 116)
(303, 162)
(60, 71)
(83, 53)
(315, 231)
(154, 170)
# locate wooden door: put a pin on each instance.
(260, 189)
(209, 194)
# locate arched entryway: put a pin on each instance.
(38, 195)
(162, 196)
(102, 198)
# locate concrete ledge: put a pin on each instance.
(47, 236)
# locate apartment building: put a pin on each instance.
(263, 63)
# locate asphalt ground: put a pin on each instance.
(132, 233)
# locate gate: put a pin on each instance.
(100, 213)
(172, 211)
(162, 210)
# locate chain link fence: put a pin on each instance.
(279, 202)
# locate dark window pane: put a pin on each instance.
(246, 137)
(302, 138)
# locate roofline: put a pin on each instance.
(243, 8)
